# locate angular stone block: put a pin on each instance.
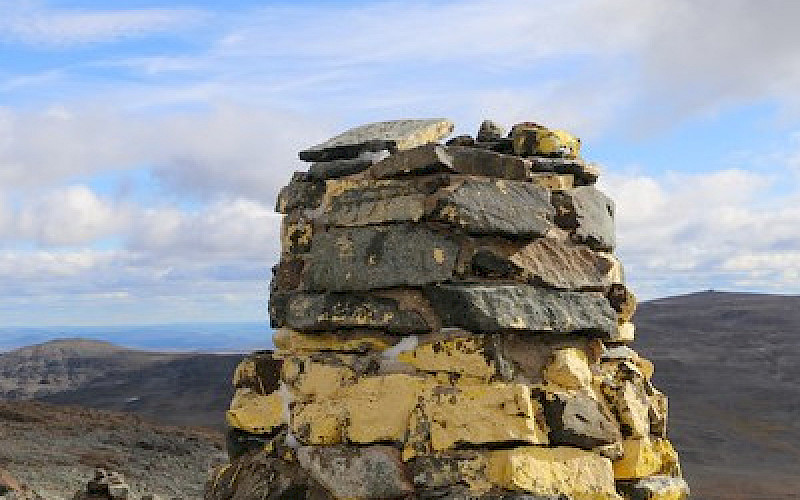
(498, 308)
(447, 417)
(623, 301)
(544, 261)
(256, 413)
(568, 368)
(553, 471)
(496, 206)
(588, 214)
(654, 488)
(465, 356)
(584, 173)
(578, 420)
(646, 457)
(432, 158)
(260, 372)
(311, 380)
(391, 135)
(291, 341)
(351, 259)
(371, 472)
(330, 311)
(324, 170)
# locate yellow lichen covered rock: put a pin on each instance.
(646, 457)
(449, 416)
(461, 355)
(292, 341)
(315, 380)
(568, 368)
(255, 413)
(581, 475)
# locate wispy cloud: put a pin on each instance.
(34, 23)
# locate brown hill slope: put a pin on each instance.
(730, 363)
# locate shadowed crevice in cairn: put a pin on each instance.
(451, 323)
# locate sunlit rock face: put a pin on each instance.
(451, 322)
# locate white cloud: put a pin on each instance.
(73, 215)
(34, 23)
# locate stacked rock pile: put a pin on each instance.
(451, 323)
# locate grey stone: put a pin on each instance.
(498, 308)
(406, 313)
(588, 214)
(496, 206)
(357, 472)
(585, 173)
(490, 131)
(461, 140)
(301, 192)
(578, 420)
(339, 168)
(654, 487)
(432, 158)
(392, 135)
(544, 261)
(351, 259)
(619, 352)
(364, 202)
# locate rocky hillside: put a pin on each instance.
(55, 449)
(174, 388)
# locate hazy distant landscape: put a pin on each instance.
(729, 362)
(240, 337)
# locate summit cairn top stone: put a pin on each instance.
(450, 323)
(395, 135)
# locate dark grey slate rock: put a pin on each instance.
(351, 259)
(330, 311)
(432, 158)
(496, 206)
(543, 261)
(585, 173)
(498, 308)
(323, 170)
(654, 487)
(588, 214)
(578, 420)
(389, 135)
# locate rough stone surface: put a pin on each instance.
(301, 192)
(291, 341)
(259, 372)
(465, 356)
(357, 472)
(449, 416)
(490, 131)
(544, 261)
(553, 471)
(455, 159)
(324, 170)
(578, 420)
(351, 259)
(568, 368)
(263, 476)
(487, 308)
(654, 488)
(331, 311)
(391, 135)
(255, 413)
(588, 214)
(485, 206)
(646, 457)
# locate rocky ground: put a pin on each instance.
(55, 450)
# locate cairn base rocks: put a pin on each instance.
(451, 323)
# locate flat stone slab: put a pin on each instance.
(499, 308)
(392, 135)
(431, 158)
(330, 311)
(496, 206)
(544, 261)
(655, 488)
(588, 214)
(350, 259)
(479, 206)
(301, 192)
(578, 420)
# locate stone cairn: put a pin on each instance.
(450, 323)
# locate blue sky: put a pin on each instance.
(142, 143)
